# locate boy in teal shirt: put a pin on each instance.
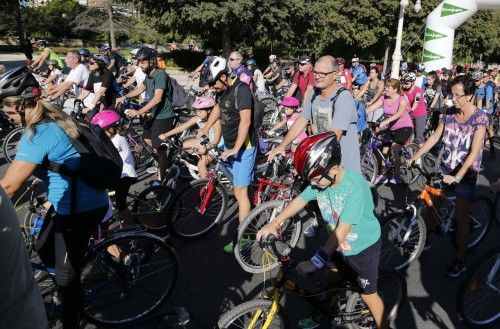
(346, 204)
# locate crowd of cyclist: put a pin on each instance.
(323, 104)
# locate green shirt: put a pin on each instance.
(351, 202)
(160, 80)
(54, 56)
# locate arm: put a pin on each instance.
(374, 106)
(429, 143)
(111, 64)
(217, 132)
(84, 94)
(129, 82)
(153, 102)
(61, 89)
(41, 59)
(136, 92)
(17, 173)
(362, 91)
(298, 126)
(379, 92)
(98, 96)
(243, 128)
(198, 69)
(49, 79)
(278, 125)
(274, 77)
(348, 80)
(309, 90)
(418, 96)
(186, 125)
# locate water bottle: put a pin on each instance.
(37, 225)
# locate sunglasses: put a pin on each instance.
(302, 64)
(235, 59)
(92, 63)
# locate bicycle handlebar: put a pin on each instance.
(277, 246)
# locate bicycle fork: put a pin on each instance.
(270, 316)
(205, 194)
(406, 236)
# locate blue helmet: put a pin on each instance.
(104, 46)
(84, 52)
(252, 62)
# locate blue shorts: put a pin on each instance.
(242, 166)
(466, 189)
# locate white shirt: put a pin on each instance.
(139, 76)
(78, 76)
(123, 148)
(419, 81)
(260, 83)
(58, 76)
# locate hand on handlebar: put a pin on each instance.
(228, 153)
(120, 100)
(271, 228)
(448, 179)
(275, 151)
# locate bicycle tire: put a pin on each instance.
(496, 208)
(247, 251)
(150, 206)
(141, 152)
(185, 219)
(358, 316)
(471, 289)
(409, 175)
(241, 315)
(10, 143)
(479, 223)
(393, 254)
(369, 167)
(103, 275)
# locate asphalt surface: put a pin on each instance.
(211, 282)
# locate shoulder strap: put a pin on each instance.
(236, 95)
(334, 99)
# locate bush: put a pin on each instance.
(186, 59)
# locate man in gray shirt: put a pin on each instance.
(318, 109)
(21, 306)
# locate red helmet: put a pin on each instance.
(316, 154)
(341, 61)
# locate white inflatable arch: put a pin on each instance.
(440, 29)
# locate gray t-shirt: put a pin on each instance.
(344, 118)
(21, 306)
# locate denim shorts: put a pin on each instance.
(242, 166)
(465, 189)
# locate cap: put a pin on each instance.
(355, 59)
(305, 59)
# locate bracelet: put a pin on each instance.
(458, 179)
(321, 254)
(318, 262)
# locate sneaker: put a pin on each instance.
(381, 179)
(308, 323)
(396, 180)
(229, 248)
(456, 268)
(311, 229)
(154, 182)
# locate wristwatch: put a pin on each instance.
(458, 179)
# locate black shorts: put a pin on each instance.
(399, 136)
(361, 268)
(155, 128)
(121, 192)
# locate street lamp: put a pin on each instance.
(397, 56)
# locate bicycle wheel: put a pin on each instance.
(369, 167)
(391, 287)
(149, 207)
(126, 289)
(479, 222)
(403, 240)
(251, 257)
(255, 312)
(408, 174)
(478, 298)
(197, 209)
(10, 143)
(142, 153)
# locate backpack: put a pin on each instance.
(360, 108)
(101, 164)
(120, 61)
(179, 96)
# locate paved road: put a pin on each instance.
(210, 282)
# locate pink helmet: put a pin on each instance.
(204, 102)
(105, 119)
(290, 102)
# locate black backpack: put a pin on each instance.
(179, 96)
(101, 164)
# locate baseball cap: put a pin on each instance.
(305, 59)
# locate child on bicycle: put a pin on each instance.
(346, 204)
(203, 106)
(109, 121)
(291, 108)
(55, 76)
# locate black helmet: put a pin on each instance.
(84, 52)
(15, 81)
(101, 60)
(209, 52)
(146, 53)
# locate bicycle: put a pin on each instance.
(496, 207)
(372, 157)
(201, 205)
(479, 297)
(345, 307)
(404, 233)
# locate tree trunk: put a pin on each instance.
(111, 25)
(226, 41)
(19, 24)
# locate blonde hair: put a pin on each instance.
(45, 111)
(395, 84)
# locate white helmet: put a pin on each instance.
(133, 52)
(217, 66)
(272, 58)
(477, 75)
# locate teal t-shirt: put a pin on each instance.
(51, 142)
(160, 80)
(351, 202)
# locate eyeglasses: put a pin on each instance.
(301, 64)
(92, 63)
(234, 59)
(322, 74)
(457, 97)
